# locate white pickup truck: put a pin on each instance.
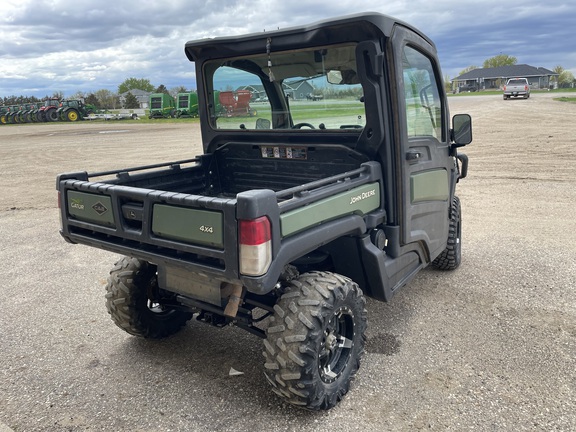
(517, 87)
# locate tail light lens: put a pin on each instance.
(255, 246)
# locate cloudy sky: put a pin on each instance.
(87, 45)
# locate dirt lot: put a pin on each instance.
(491, 346)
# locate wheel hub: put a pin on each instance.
(338, 341)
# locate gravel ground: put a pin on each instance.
(491, 346)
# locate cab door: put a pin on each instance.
(423, 145)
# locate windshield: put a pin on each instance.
(307, 89)
(517, 82)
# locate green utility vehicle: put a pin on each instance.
(187, 105)
(289, 219)
(162, 105)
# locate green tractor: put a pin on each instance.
(3, 111)
(187, 105)
(74, 110)
(19, 116)
(13, 114)
(162, 105)
(28, 113)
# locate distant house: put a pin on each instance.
(258, 92)
(494, 78)
(142, 96)
(295, 90)
(298, 90)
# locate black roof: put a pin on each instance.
(522, 70)
(358, 27)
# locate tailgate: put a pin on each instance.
(158, 226)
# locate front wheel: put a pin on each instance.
(451, 257)
(316, 339)
(132, 301)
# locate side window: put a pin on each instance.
(423, 104)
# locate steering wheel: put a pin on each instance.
(300, 125)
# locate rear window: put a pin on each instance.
(316, 88)
(517, 82)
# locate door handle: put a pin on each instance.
(413, 155)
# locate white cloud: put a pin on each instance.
(57, 45)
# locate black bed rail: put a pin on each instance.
(298, 196)
(125, 172)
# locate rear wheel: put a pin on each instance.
(71, 115)
(51, 115)
(451, 257)
(316, 339)
(132, 302)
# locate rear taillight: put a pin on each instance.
(504, 88)
(255, 246)
(526, 88)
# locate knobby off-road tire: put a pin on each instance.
(130, 287)
(316, 340)
(451, 257)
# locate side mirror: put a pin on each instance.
(461, 132)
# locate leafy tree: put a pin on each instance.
(500, 60)
(175, 90)
(447, 84)
(565, 78)
(162, 89)
(58, 95)
(78, 95)
(468, 69)
(135, 83)
(130, 101)
(18, 100)
(91, 99)
(106, 99)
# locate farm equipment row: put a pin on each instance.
(51, 110)
(227, 104)
(163, 105)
